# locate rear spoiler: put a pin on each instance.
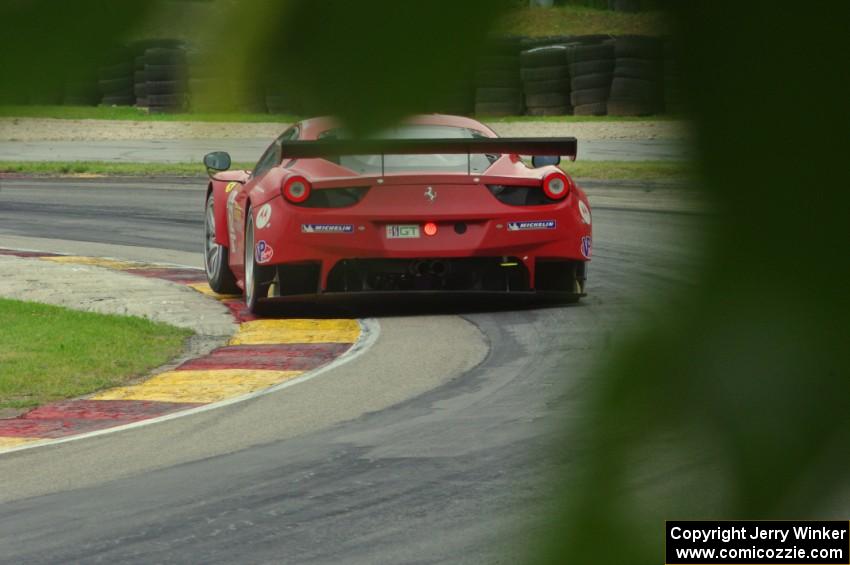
(560, 146)
(552, 146)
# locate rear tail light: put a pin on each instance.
(556, 185)
(430, 228)
(296, 189)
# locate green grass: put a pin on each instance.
(49, 353)
(74, 168)
(596, 170)
(581, 20)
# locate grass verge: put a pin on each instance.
(629, 170)
(596, 170)
(581, 20)
(49, 353)
(107, 168)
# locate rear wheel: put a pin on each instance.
(219, 277)
(256, 287)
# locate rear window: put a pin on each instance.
(436, 162)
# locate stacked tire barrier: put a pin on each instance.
(498, 90)
(638, 85)
(543, 76)
(115, 79)
(546, 80)
(140, 81)
(591, 74)
(673, 97)
(166, 78)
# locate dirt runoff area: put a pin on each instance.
(46, 129)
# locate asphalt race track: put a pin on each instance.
(418, 451)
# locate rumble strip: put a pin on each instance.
(263, 356)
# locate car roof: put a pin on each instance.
(312, 127)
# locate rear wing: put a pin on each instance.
(554, 146)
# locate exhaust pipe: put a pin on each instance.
(419, 268)
(439, 268)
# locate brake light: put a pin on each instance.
(296, 189)
(556, 185)
(430, 228)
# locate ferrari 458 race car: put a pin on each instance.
(439, 204)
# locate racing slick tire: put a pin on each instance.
(257, 279)
(219, 276)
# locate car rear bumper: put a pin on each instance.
(330, 237)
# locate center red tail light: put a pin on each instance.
(557, 185)
(296, 189)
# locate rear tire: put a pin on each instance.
(255, 288)
(219, 276)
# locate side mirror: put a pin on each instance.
(217, 161)
(544, 160)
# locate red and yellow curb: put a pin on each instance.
(264, 353)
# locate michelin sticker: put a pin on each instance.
(264, 252)
(584, 211)
(264, 216)
(586, 246)
(535, 225)
(327, 228)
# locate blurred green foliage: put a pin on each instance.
(735, 404)
(370, 62)
(47, 42)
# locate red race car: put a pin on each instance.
(437, 204)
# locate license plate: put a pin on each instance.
(402, 231)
